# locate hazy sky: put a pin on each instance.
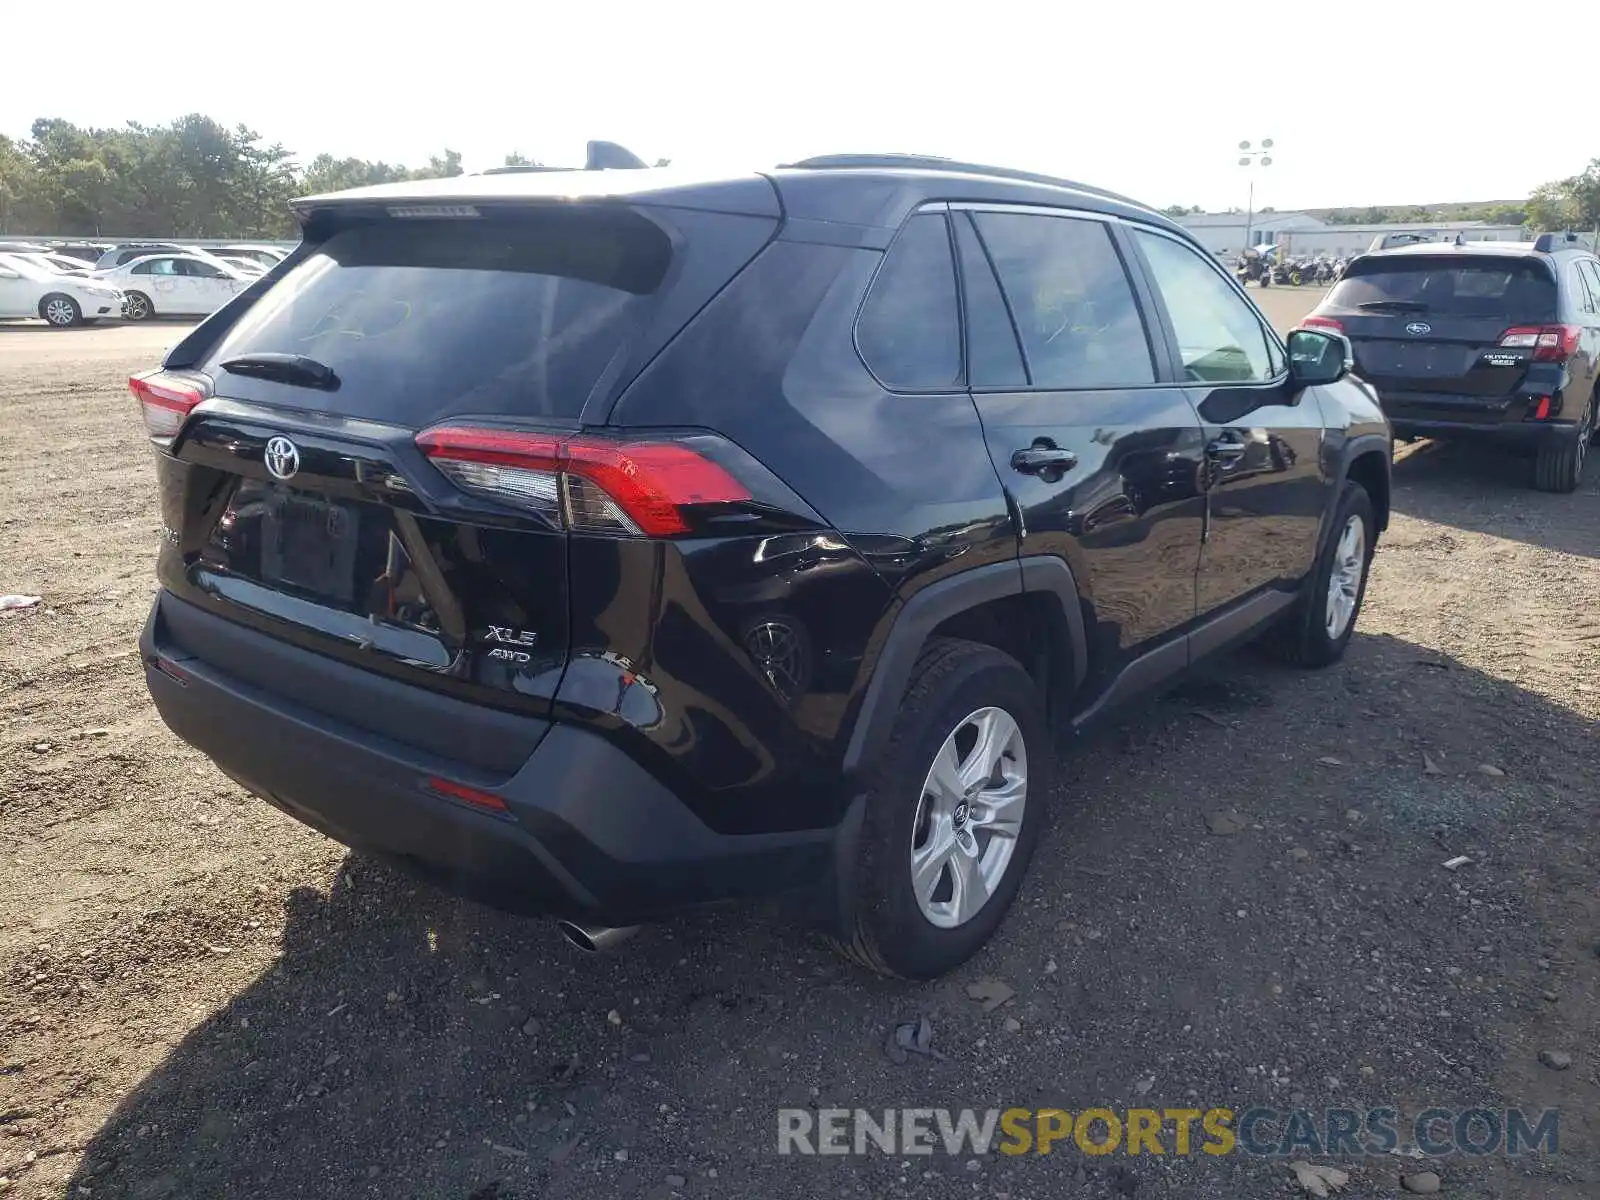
(1149, 99)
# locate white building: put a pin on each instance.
(1301, 233)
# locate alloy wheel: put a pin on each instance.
(1344, 580)
(59, 312)
(969, 817)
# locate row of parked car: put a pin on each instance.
(79, 283)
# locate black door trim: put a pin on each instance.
(1159, 666)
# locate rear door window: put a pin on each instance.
(422, 319)
(1071, 300)
(1591, 275)
(909, 333)
(1449, 286)
(1578, 284)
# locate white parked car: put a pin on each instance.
(29, 290)
(267, 256)
(248, 265)
(61, 264)
(175, 285)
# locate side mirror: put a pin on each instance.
(1319, 356)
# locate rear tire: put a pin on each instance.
(1559, 468)
(1318, 629)
(137, 307)
(60, 310)
(935, 876)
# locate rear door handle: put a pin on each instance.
(1226, 450)
(1043, 457)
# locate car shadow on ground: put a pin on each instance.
(1489, 490)
(405, 1043)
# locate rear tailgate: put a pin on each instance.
(1427, 330)
(308, 510)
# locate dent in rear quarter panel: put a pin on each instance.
(724, 666)
(906, 480)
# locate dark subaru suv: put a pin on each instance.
(1495, 342)
(602, 544)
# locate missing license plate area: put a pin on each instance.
(1403, 358)
(310, 545)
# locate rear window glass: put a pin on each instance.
(425, 319)
(1446, 286)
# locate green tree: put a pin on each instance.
(1550, 207)
(518, 159)
(22, 202)
(440, 166)
(1583, 194)
(328, 174)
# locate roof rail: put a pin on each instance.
(931, 162)
(1546, 242)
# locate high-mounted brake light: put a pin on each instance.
(455, 211)
(1549, 343)
(588, 484)
(1329, 323)
(165, 402)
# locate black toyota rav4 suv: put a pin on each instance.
(1494, 342)
(605, 543)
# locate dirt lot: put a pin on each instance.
(199, 998)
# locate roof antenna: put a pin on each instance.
(604, 156)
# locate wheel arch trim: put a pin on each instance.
(1352, 449)
(924, 611)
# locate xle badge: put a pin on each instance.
(510, 645)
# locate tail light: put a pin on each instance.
(165, 402)
(1328, 323)
(1549, 343)
(587, 484)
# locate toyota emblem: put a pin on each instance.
(282, 458)
(1418, 328)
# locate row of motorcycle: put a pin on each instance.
(1292, 272)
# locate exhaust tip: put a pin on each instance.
(595, 939)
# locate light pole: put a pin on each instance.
(1253, 157)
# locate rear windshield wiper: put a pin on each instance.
(284, 368)
(1379, 305)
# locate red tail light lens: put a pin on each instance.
(165, 402)
(476, 797)
(1328, 323)
(1549, 343)
(588, 484)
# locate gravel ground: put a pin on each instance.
(200, 998)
